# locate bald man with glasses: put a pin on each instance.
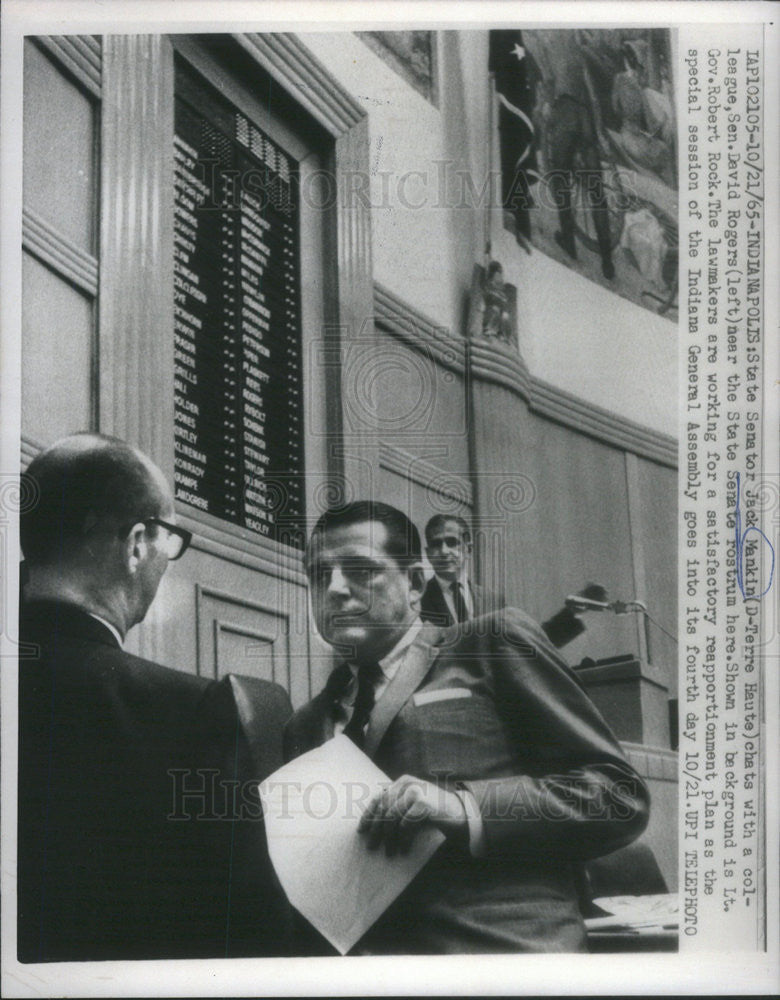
(129, 845)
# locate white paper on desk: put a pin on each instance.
(312, 808)
(634, 912)
(661, 906)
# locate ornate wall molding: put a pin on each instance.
(215, 612)
(81, 55)
(236, 545)
(495, 363)
(49, 245)
(491, 361)
(306, 80)
(135, 318)
(411, 327)
(425, 473)
(556, 404)
(136, 267)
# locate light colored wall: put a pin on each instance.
(582, 338)
(411, 237)
(574, 334)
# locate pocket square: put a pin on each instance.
(443, 694)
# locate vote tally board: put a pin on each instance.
(238, 388)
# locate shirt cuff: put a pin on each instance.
(474, 819)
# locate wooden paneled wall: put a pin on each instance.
(560, 493)
(60, 269)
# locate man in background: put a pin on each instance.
(129, 845)
(484, 733)
(451, 596)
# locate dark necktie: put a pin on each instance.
(368, 675)
(461, 611)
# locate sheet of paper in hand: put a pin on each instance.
(312, 808)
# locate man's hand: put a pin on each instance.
(397, 814)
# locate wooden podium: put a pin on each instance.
(631, 695)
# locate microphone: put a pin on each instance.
(592, 597)
(579, 604)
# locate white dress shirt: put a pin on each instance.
(111, 628)
(465, 589)
(389, 666)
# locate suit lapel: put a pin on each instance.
(400, 689)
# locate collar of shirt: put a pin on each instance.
(389, 665)
(111, 628)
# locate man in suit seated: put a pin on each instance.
(451, 596)
(485, 735)
(129, 841)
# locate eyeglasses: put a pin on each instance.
(176, 541)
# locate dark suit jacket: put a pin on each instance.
(434, 609)
(491, 707)
(560, 629)
(119, 853)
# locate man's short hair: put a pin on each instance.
(85, 482)
(439, 520)
(403, 538)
